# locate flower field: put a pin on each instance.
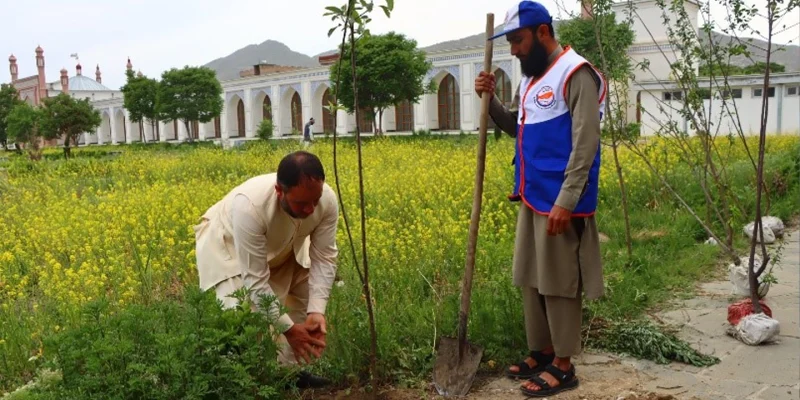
(115, 223)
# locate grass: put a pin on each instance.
(76, 231)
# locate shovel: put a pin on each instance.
(456, 359)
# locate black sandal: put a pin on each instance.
(566, 380)
(525, 370)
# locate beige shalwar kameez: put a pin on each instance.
(248, 240)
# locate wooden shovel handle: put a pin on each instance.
(466, 288)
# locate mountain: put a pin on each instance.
(271, 51)
(786, 55)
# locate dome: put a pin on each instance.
(82, 83)
(12, 58)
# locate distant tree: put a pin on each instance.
(67, 118)
(390, 70)
(760, 68)
(720, 70)
(8, 99)
(140, 94)
(189, 94)
(24, 125)
(601, 40)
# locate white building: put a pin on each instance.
(290, 98)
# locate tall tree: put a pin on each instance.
(605, 42)
(353, 18)
(8, 99)
(24, 125)
(140, 94)
(67, 118)
(189, 94)
(390, 70)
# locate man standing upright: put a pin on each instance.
(308, 135)
(555, 118)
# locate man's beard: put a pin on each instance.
(535, 63)
(288, 210)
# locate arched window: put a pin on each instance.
(365, 121)
(297, 113)
(404, 116)
(327, 117)
(266, 108)
(449, 104)
(502, 91)
(240, 119)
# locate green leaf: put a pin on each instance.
(330, 32)
(333, 10)
(386, 11)
(390, 4)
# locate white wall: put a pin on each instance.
(726, 116)
(648, 25)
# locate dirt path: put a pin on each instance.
(765, 372)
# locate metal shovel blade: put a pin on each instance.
(453, 375)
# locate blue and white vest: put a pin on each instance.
(544, 138)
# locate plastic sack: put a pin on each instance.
(755, 329)
(740, 284)
(774, 224)
(769, 235)
(741, 309)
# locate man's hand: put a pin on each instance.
(316, 325)
(485, 83)
(558, 221)
(303, 344)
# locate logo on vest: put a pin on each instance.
(545, 97)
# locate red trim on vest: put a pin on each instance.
(602, 78)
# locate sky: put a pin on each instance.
(161, 34)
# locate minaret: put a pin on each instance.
(64, 81)
(79, 69)
(12, 66)
(97, 74)
(129, 66)
(42, 80)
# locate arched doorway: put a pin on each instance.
(297, 113)
(449, 104)
(327, 117)
(240, 119)
(365, 120)
(639, 107)
(105, 130)
(120, 128)
(404, 116)
(266, 108)
(195, 133)
(502, 91)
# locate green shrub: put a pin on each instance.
(265, 129)
(167, 350)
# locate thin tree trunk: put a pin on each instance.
(624, 193)
(188, 130)
(373, 362)
(758, 228)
